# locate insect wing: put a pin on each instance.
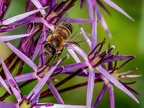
(78, 38)
(64, 18)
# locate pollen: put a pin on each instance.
(95, 60)
(43, 71)
(25, 104)
(116, 74)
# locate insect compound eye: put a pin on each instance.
(47, 46)
(50, 48)
(53, 50)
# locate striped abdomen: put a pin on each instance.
(65, 30)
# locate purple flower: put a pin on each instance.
(41, 17)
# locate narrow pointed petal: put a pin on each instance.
(103, 22)
(47, 25)
(73, 54)
(4, 6)
(111, 95)
(82, 3)
(8, 104)
(76, 20)
(39, 45)
(4, 85)
(62, 106)
(23, 77)
(118, 58)
(42, 81)
(37, 50)
(130, 76)
(113, 5)
(90, 87)
(80, 51)
(12, 37)
(116, 82)
(103, 6)
(20, 17)
(85, 36)
(99, 96)
(13, 85)
(22, 56)
(36, 99)
(131, 89)
(39, 6)
(72, 67)
(94, 29)
(55, 92)
(127, 72)
(90, 8)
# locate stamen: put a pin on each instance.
(96, 60)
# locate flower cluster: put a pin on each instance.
(41, 18)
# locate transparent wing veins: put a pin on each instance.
(78, 38)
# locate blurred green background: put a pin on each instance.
(128, 38)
